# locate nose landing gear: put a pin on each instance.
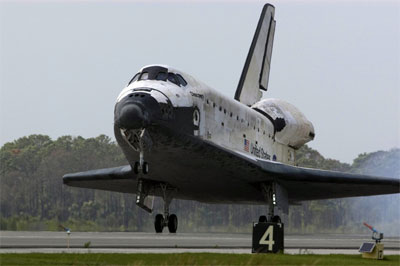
(140, 141)
(141, 165)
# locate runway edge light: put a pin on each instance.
(68, 231)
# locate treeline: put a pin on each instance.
(34, 198)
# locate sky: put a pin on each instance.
(63, 63)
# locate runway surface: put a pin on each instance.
(127, 242)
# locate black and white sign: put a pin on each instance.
(267, 237)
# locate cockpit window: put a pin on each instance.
(159, 73)
(144, 76)
(172, 78)
(181, 80)
(135, 78)
(162, 76)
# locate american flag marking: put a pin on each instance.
(246, 145)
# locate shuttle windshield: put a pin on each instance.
(159, 73)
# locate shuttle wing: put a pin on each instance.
(255, 73)
(120, 179)
(311, 184)
(300, 183)
(314, 184)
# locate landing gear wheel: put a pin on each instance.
(145, 168)
(172, 223)
(136, 167)
(159, 223)
(276, 219)
(262, 219)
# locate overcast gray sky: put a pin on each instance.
(64, 63)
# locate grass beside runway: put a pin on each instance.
(189, 259)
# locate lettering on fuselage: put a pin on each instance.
(201, 96)
(259, 152)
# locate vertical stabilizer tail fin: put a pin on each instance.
(255, 74)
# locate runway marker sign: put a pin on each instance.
(270, 235)
(267, 237)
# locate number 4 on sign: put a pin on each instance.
(270, 235)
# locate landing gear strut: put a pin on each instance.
(270, 196)
(140, 141)
(166, 220)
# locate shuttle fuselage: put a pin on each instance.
(174, 116)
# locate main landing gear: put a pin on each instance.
(166, 220)
(145, 200)
(171, 222)
(274, 219)
(270, 196)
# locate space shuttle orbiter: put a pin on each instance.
(185, 140)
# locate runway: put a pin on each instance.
(128, 242)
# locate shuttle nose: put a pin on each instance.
(135, 111)
(130, 116)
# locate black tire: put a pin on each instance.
(136, 168)
(262, 219)
(159, 223)
(145, 168)
(276, 219)
(172, 223)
